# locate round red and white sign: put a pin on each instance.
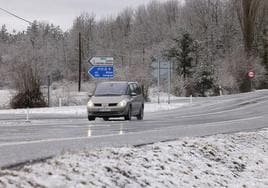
(251, 74)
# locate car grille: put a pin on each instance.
(107, 113)
(110, 104)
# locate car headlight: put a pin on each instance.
(90, 104)
(122, 103)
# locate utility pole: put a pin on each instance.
(143, 56)
(80, 63)
(158, 81)
(169, 81)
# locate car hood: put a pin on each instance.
(108, 99)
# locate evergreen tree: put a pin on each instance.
(181, 54)
(4, 34)
(204, 80)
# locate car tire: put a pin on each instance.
(129, 114)
(141, 114)
(106, 119)
(91, 118)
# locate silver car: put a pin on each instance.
(116, 99)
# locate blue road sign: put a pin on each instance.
(101, 71)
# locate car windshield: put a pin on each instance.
(111, 89)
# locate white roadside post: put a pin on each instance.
(220, 90)
(121, 132)
(191, 99)
(27, 114)
(59, 102)
(89, 132)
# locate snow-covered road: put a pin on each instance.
(236, 160)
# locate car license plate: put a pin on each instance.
(105, 110)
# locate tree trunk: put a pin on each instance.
(247, 11)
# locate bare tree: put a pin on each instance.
(247, 11)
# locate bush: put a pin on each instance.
(204, 80)
(28, 86)
(31, 99)
(232, 72)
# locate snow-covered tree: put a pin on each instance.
(204, 80)
(181, 54)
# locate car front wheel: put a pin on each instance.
(128, 116)
(141, 114)
(106, 119)
(91, 118)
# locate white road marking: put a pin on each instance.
(101, 125)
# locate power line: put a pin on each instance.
(10, 13)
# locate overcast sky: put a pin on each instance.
(60, 12)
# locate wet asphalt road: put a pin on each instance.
(49, 134)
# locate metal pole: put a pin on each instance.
(158, 81)
(169, 81)
(80, 63)
(48, 91)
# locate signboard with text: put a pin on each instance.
(102, 67)
(102, 61)
(101, 71)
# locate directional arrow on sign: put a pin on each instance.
(102, 61)
(101, 71)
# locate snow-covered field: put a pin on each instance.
(5, 96)
(163, 96)
(75, 103)
(65, 94)
(237, 160)
(81, 110)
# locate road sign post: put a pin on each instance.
(101, 71)
(251, 75)
(103, 67)
(101, 61)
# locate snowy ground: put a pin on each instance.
(81, 110)
(71, 100)
(237, 160)
(5, 96)
(65, 94)
(163, 96)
